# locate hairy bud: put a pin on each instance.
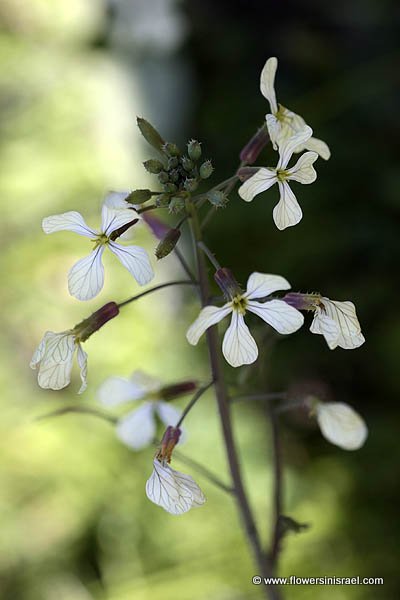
(168, 243)
(150, 134)
(171, 149)
(153, 166)
(217, 198)
(206, 169)
(191, 185)
(139, 196)
(194, 150)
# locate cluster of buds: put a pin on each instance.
(178, 173)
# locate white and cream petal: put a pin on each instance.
(209, 315)
(137, 429)
(168, 414)
(82, 362)
(338, 323)
(136, 260)
(283, 318)
(257, 183)
(54, 358)
(287, 212)
(288, 145)
(175, 492)
(118, 390)
(69, 221)
(341, 425)
(239, 347)
(260, 285)
(267, 82)
(113, 216)
(86, 278)
(303, 171)
(318, 146)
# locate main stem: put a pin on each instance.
(262, 560)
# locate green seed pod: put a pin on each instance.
(139, 196)
(191, 185)
(153, 166)
(217, 198)
(168, 243)
(187, 164)
(150, 134)
(206, 169)
(194, 150)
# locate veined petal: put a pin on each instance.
(116, 201)
(341, 425)
(319, 147)
(287, 212)
(267, 82)
(274, 129)
(239, 346)
(41, 349)
(82, 362)
(117, 390)
(136, 260)
(69, 221)
(55, 376)
(259, 182)
(338, 323)
(173, 491)
(86, 278)
(303, 171)
(282, 317)
(288, 145)
(54, 358)
(260, 285)
(209, 315)
(116, 217)
(138, 428)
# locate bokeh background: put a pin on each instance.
(75, 522)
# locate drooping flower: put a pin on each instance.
(138, 428)
(282, 123)
(338, 323)
(239, 347)
(287, 212)
(86, 278)
(55, 354)
(341, 425)
(175, 492)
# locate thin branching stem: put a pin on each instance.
(193, 401)
(190, 462)
(78, 409)
(155, 289)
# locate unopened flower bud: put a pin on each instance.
(176, 204)
(150, 134)
(168, 243)
(174, 175)
(206, 169)
(227, 283)
(302, 301)
(168, 443)
(173, 162)
(217, 198)
(162, 201)
(163, 177)
(139, 196)
(177, 390)
(194, 150)
(191, 185)
(121, 230)
(171, 149)
(153, 166)
(170, 188)
(85, 328)
(187, 164)
(158, 228)
(253, 148)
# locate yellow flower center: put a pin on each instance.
(240, 304)
(281, 174)
(101, 240)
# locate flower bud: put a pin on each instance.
(153, 166)
(227, 283)
(194, 150)
(158, 228)
(252, 149)
(173, 162)
(217, 198)
(191, 185)
(85, 328)
(177, 390)
(150, 134)
(302, 301)
(162, 201)
(187, 164)
(171, 149)
(176, 204)
(170, 188)
(163, 177)
(168, 443)
(206, 169)
(174, 175)
(168, 243)
(118, 232)
(139, 196)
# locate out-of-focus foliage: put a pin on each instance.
(75, 522)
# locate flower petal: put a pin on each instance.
(303, 171)
(86, 278)
(288, 145)
(54, 358)
(267, 82)
(144, 382)
(168, 414)
(239, 346)
(318, 146)
(136, 260)
(82, 362)
(338, 323)
(260, 285)
(117, 390)
(209, 315)
(274, 129)
(341, 425)
(282, 317)
(116, 201)
(258, 183)
(114, 217)
(173, 491)
(138, 428)
(69, 221)
(287, 212)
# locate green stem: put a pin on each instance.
(154, 289)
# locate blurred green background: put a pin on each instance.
(75, 522)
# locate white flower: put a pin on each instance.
(338, 323)
(239, 347)
(175, 492)
(54, 357)
(287, 212)
(138, 428)
(283, 123)
(341, 425)
(86, 278)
